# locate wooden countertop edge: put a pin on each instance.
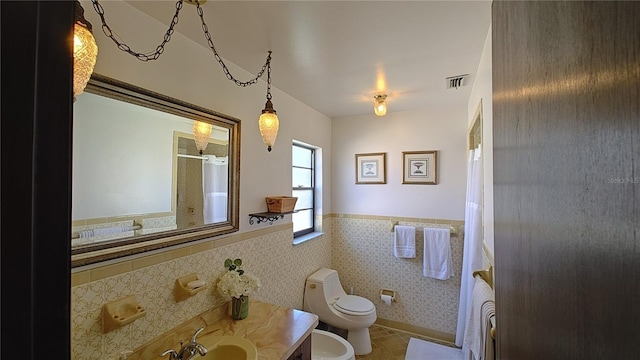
(301, 339)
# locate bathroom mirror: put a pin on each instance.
(149, 171)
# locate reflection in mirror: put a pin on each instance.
(149, 171)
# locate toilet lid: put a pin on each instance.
(354, 305)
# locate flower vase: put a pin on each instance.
(239, 307)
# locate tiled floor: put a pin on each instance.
(386, 343)
(390, 344)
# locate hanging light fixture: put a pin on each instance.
(268, 121)
(85, 51)
(201, 134)
(380, 105)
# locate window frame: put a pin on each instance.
(312, 188)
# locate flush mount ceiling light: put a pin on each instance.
(201, 134)
(380, 105)
(85, 51)
(268, 126)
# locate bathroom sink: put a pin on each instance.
(227, 347)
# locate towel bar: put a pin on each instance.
(451, 227)
(493, 326)
(76, 235)
(486, 275)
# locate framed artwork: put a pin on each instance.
(420, 167)
(370, 168)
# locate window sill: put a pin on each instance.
(306, 237)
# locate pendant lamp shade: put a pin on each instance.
(85, 51)
(268, 124)
(201, 134)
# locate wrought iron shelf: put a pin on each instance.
(267, 217)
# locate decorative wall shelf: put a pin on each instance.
(267, 217)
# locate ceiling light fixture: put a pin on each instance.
(380, 105)
(201, 134)
(268, 126)
(85, 51)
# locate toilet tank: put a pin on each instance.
(328, 281)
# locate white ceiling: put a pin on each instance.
(335, 56)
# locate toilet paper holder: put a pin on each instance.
(388, 292)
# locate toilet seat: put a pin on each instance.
(354, 305)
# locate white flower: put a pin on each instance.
(233, 284)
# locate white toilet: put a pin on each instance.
(325, 297)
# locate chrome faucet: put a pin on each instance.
(188, 350)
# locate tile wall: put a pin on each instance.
(359, 247)
(267, 253)
(362, 253)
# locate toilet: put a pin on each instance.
(325, 297)
(329, 346)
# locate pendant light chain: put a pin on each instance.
(269, 76)
(207, 35)
(167, 37)
(124, 47)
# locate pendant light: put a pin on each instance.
(201, 135)
(268, 121)
(85, 51)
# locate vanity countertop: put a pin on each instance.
(276, 331)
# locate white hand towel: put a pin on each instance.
(404, 241)
(86, 234)
(437, 262)
(477, 335)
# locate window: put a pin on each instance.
(303, 181)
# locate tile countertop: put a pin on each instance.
(276, 331)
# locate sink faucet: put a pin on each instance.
(188, 350)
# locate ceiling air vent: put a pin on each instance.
(455, 82)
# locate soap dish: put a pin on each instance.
(119, 313)
(188, 286)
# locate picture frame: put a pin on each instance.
(371, 168)
(420, 167)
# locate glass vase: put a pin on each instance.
(239, 307)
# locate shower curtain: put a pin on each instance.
(215, 189)
(472, 252)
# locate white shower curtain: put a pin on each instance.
(215, 189)
(472, 253)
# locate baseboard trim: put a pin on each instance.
(430, 333)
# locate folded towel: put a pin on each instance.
(437, 262)
(404, 241)
(108, 230)
(477, 336)
(85, 234)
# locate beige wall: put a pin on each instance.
(440, 128)
(203, 83)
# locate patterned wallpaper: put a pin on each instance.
(360, 248)
(267, 253)
(362, 253)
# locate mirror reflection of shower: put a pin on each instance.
(201, 183)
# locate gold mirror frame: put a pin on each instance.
(115, 89)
